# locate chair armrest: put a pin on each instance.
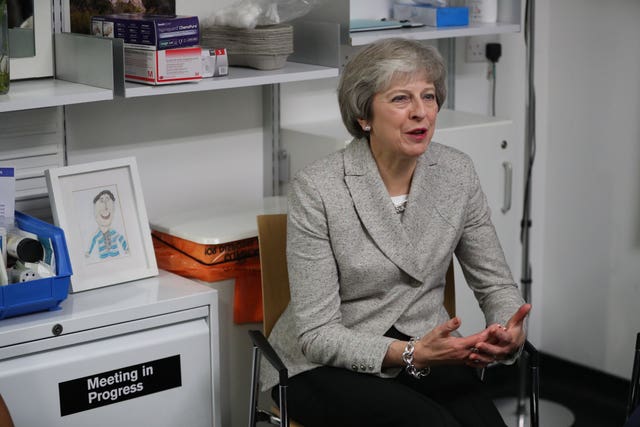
(258, 339)
(534, 358)
(634, 387)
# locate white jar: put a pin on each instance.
(483, 11)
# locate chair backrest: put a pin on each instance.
(272, 239)
(5, 416)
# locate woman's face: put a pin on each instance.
(403, 118)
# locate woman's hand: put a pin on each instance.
(502, 342)
(440, 347)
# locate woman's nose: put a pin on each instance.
(418, 110)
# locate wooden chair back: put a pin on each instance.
(5, 416)
(272, 242)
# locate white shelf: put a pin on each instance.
(39, 93)
(30, 94)
(426, 33)
(238, 77)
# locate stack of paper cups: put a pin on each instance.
(483, 11)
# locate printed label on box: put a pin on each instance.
(149, 31)
(163, 66)
(7, 192)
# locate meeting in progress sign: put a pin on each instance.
(128, 382)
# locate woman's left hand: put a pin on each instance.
(502, 342)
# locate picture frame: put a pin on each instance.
(40, 65)
(101, 209)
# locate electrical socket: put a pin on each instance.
(475, 48)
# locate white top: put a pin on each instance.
(399, 202)
(218, 225)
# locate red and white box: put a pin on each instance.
(157, 67)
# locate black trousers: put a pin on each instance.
(451, 396)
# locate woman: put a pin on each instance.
(371, 232)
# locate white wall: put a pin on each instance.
(590, 106)
(193, 151)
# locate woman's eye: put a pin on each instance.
(429, 96)
(400, 98)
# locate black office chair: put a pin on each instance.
(633, 401)
(275, 297)
(281, 416)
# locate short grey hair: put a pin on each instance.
(376, 67)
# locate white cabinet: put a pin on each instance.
(490, 143)
(134, 354)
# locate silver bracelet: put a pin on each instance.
(407, 357)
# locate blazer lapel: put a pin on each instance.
(375, 209)
(422, 208)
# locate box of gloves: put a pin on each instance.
(157, 67)
(431, 15)
(144, 31)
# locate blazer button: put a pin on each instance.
(354, 367)
(363, 367)
(371, 367)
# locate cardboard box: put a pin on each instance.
(215, 62)
(156, 67)
(155, 32)
(432, 16)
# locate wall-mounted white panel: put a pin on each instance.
(193, 150)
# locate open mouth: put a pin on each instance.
(421, 131)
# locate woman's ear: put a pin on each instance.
(364, 124)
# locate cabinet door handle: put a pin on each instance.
(508, 177)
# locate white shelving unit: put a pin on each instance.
(40, 93)
(323, 36)
(431, 33)
(238, 77)
(50, 92)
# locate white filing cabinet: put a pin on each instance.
(143, 353)
(490, 143)
(219, 225)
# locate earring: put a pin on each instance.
(367, 128)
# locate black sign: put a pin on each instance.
(115, 386)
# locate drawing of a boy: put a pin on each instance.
(106, 241)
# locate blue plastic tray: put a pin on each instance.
(40, 294)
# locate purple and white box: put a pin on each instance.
(154, 32)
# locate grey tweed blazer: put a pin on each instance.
(357, 268)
